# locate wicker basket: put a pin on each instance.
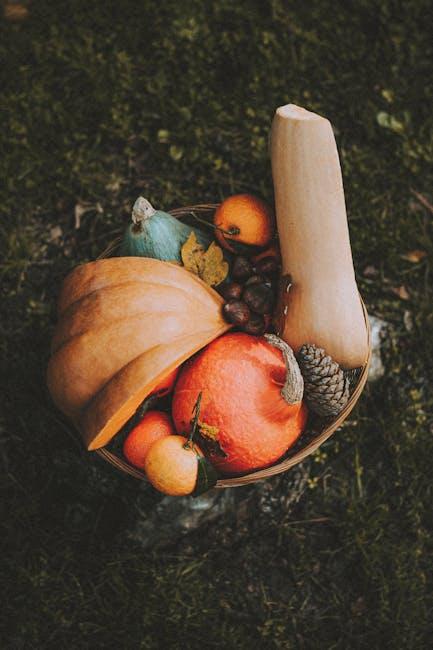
(313, 442)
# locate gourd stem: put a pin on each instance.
(194, 423)
(233, 231)
(293, 389)
(142, 210)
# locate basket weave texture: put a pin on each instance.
(326, 430)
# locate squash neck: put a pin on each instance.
(141, 212)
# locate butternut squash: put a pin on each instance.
(124, 325)
(319, 301)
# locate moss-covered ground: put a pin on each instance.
(102, 101)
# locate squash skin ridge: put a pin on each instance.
(74, 308)
(97, 272)
(68, 397)
(108, 324)
(64, 313)
(110, 386)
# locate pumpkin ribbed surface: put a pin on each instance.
(124, 324)
(240, 378)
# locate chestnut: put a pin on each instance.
(255, 326)
(236, 312)
(242, 268)
(259, 298)
(255, 279)
(231, 291)
(267, 266)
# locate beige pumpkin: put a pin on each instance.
(124, 324)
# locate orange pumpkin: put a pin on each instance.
(124, 325)
(251, 402)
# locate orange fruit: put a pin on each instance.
(172, 467)
(240, 378)
(167, 384)
(251, 218)
(154, 426)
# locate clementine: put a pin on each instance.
(251, 400)
(172, 465)
(154, 426)
(249, 220)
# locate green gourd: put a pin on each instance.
(157, 234)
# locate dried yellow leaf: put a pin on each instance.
(415, 256)
(15, 12)
(192, 254)
(401, 292)
(215, 267)
(208, 430)
(210, 266)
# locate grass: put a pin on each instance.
(103, 101)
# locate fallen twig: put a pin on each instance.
(425, 202)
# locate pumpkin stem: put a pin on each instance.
(293, 389)
(194, 422)
(142, 211)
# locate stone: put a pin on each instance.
(172, 518)
(378, 330)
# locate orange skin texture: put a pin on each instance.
(166, 386)
(171, 468)
(240, 377)
(154, 426)
(253, 217)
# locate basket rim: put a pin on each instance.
(300, 455)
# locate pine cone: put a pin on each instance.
(326, 389)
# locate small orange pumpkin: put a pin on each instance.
(124, 325)
(251, 402)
